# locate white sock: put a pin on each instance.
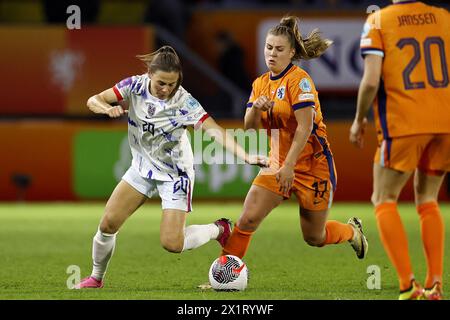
(197, 235)
(102, 250)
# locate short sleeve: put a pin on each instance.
(134, 84)
(254, 94)
(302, 92)
(192, 113)
(122, 89)
(371, 40)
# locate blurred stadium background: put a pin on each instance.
(54, 149)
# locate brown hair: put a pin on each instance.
(311, 47)
(164, 59)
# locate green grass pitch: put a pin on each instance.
(38, 242)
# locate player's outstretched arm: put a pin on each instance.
(220, 135)
(101, 103)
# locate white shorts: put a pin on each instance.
(176, 194)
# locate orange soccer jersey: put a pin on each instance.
(291, 90)
(314, 171)
(414, 95)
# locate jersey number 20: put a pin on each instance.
(428, 63)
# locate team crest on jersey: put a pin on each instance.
(280, 92)
(151, 110)
(305, 85)
(192, 103)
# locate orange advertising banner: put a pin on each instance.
(37, 158)
(52, 70)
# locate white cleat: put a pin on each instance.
(359, 242)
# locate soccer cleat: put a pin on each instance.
(415, 292)
(359, 242)
(434, 293)
(89, 283)
(227, 226)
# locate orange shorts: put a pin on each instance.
(429, 153)
(313, 186)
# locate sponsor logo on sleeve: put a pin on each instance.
(366, 42)
(306, 97)
(198, 115)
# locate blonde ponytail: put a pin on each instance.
(311, 47)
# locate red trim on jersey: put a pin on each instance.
(117, 92)
(199, 123)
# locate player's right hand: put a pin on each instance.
(116, 111)
(263, 103)
(357, 132)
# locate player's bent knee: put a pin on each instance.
(377, 199)
(313, 241)
(173, 246)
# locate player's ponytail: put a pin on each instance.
(164, 59)
(310, 47)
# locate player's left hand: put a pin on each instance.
(357, 132)
(285, 178)
(258, 160)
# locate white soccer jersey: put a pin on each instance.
(157, 135)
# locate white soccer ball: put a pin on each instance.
(228, 273)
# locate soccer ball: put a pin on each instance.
(228, 273)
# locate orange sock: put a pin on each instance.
(432, 229)
(237, 243)
(395, 241)
(337, 232)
